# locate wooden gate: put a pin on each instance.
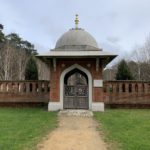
(76, 95)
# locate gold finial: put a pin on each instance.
(76, 21)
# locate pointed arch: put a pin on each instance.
(76, 66)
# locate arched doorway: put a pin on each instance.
(76, 90)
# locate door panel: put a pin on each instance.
(76, 97)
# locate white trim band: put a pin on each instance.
(55, 106)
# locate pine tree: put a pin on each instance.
(2, 36)
(123, 72)
(31, 71)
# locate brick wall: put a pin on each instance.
(113, 93)
(24, 92)
(127, 93)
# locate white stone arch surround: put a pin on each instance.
(76, 66)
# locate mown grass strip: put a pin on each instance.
(128, 129)
(23, 128)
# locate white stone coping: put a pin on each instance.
(76, 53)
(56, 106)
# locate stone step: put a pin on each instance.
(76, 112)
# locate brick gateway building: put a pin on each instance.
(76, 80)
(76, 65)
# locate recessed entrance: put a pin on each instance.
(76, 90)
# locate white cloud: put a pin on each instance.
(121, 24)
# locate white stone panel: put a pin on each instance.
(54, 106)
(98, 83)
(99, 106)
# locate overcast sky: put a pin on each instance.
(117, 25)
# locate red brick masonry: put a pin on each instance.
(24, 93)
(127, 94)
(115, 93)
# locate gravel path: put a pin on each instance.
(74, 133)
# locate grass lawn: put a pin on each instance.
(127, 129)
(22, 128)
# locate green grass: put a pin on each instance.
(125, 129)
(23, 128)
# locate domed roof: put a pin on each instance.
(76, 38)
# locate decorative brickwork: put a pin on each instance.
(127, 93)
(16, 92)
(113, 93)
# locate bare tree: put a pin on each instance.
(8, 61)
(21, 63)
(43, 70)
(12, 62)
(141, 56)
